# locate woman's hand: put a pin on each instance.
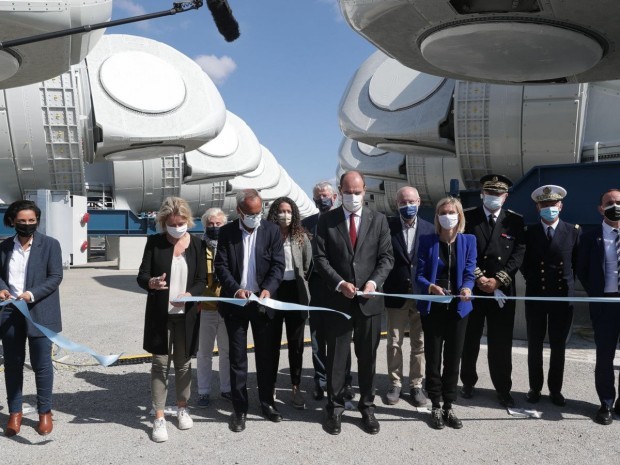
(5, 295)
(158, 283)
(25, 297)
(465, 294)
(435, 290)
(181, 304)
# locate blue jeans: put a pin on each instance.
(14, 332)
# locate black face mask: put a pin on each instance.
(612, 213)
(25, 230)
(212, 232)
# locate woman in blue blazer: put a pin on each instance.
(446, 263)
(30, 270)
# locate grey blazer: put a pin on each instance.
(302, 259)
(335, 260)
(43, 279)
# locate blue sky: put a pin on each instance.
(284, 76)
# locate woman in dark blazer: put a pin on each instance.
(173, 266)
(294, 288)
(446, 263)
(30, 270)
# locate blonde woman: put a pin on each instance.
(173, 265)
(446, 263)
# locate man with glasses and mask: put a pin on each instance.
(324, 198)
(549, 269)
(406, 230)
(249, 260)
(499, 238)
(598, 263)
(352, 252)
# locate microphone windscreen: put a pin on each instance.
(224, 19)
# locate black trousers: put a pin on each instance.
(237, 323)
(367, 333)
(606, 324)
(295, 322)
(557, 317)
(500, 323)
(319, 324)
(444, 335)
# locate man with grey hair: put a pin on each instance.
(250, 260)
(212, 325)
(324, 196)
(406, 230)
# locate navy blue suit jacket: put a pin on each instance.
(43, 278)
(428, 260)
(229, 259)
(591, 262)
(403, 274)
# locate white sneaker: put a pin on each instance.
(160, 433)
(185, 421)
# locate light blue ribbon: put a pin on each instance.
(60, 341)
(266, 301)
(444, 299)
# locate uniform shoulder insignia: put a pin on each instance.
(525, 227)
(514, 213)
(577, 226)
(469, 209)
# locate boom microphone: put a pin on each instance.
(224, 19)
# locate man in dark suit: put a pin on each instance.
(325, 200)
(352, 251)
(549, 270)
(499, 238)
(598, 262)
(249, 260)
(405, 230)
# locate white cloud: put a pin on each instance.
(133, 9)
(130, 7)
(218, 68)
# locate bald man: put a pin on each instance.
(352, 252)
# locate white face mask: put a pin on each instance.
(352, 202)
(252, 221)
(448, 221)
(176, 232)
(492, 202)
(285, 218)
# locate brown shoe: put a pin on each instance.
(45, 424)
(14, 424)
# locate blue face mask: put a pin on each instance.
(408, 211)
(549, 213)
(492, 202)
(325, 204)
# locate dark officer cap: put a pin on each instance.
(495, 183)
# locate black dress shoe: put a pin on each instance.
(557, 399)
(370, 423)
(603, 416)
(532, 396)
(332, 424)
(617, 406)
(437, 418)
(237, 422)
(349, 393)
(318, 392)
(467, 391)
(271, 413)
(450, 419)
(505, 400)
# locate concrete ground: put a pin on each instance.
(101, 415)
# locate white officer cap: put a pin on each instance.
(548, 192)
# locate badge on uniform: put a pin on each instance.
(506, 236)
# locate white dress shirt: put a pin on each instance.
(409, 233)
(358, 221)
(553, 226)
(611, 259)
(18, 267)
(495, 214)
(248, 274)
